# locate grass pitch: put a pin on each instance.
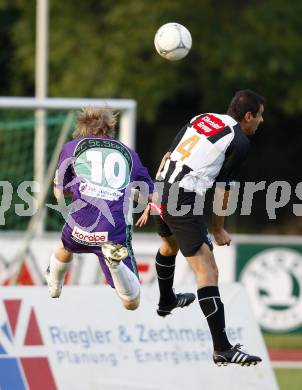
(289, 379)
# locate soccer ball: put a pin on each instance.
(173, 41)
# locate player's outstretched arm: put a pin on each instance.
(221, 236)
(162, 163)
(143, 219)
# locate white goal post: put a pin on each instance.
(127, 108)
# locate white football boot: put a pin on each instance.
(54, 287)
(113, 253)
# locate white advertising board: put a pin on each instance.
(85, 268)
(86, 341)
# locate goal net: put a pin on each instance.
(17, 162)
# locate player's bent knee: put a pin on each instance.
(169, 246)
(63, 254)
(167, 251)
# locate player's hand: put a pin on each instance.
(143, 219)
(222, 237)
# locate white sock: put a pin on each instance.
(58, 269)
(125, 282)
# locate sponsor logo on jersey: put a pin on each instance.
(22, 366)
(208, 125)
(273, 279)
(95, 191)
(88, 238)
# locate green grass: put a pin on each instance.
(289, 379)
(290, 340)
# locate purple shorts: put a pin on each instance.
(77, 240)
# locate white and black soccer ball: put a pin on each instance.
(173, 41)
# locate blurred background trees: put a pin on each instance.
(104, 48)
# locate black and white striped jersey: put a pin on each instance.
(211, 147)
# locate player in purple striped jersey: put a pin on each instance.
(209, 149)
(99, 173)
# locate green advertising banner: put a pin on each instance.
(272, 275)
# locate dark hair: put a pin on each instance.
(244, 101)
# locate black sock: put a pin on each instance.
(213, 309)
(165, 266)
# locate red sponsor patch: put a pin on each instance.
(208, 125)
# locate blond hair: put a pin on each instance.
(99, 121)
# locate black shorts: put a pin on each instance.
(190, 231)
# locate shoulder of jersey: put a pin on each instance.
(226, 119)
(70, 144)
(214, 127)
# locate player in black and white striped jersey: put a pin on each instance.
(209, 149)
